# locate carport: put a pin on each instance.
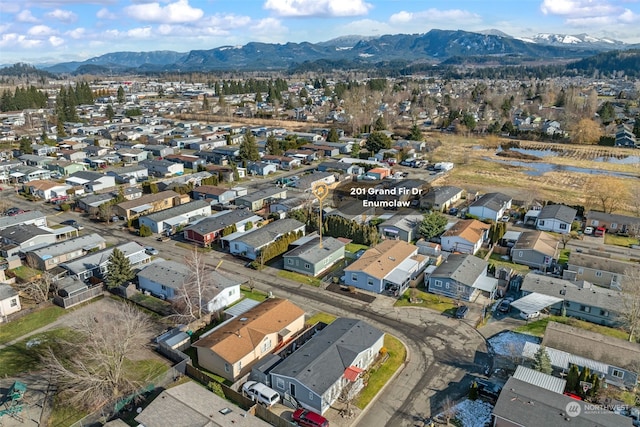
(534, 302)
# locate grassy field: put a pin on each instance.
(434, 302)
(152, 303)
(63, 415)
(24, 356)
(25, 273)
(613, 239)
(29, 322)
(538, 327)
(300, 278)
(381, 374)
(496, 260)
(320, 317)
(255, 294)
(564, 256)
(355, 247)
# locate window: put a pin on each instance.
(13, 302)
(598, 273)
(280, 383)
(164, 288)
(354, 277)
(289, 261)
(580, 270)
(446, 286)
(240, 365)
(541, 222)
(563, 226)
(585, 308)
(266, 345)
(310, 395)
(370, 282)
(231, 292)
(617, 373)
(604, 313)
(307, 266)
(226, 367)
(614, 225)
(520, 253)
(460, 289)
(437, 283)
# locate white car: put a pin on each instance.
(588, 230)
(529, 316)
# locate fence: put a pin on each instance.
(79, 298)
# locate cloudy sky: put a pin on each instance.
(41, 31)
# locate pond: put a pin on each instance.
(540, 168)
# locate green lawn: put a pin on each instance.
(538, 327)
(321, 317)
(255, 294)
(190, 246)
(379, 375)
(496, 260)
(29, 322)
(614, 239)
(63, 414)
(24, 356)
(355, 247)
(25, 273)
(563, 258)
(434, 302)
(300, 278)
(152, 303)
(149, 368)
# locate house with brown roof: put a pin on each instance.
(466, 236)
(388, 267)
(149, 203)
(231, 349)
(535, 249)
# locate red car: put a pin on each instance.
(305, 418)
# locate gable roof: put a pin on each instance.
(383, 258)
(6, 292)
(404, 220)
(470, 230)
(311, 251)
(463, 268)
(529, 405)
(442, 194)
(22, 233)
(221, 220)
(601, 262)
(85, 242)
(9, 221)
(175, 274)
(493, 201)
(538, 241)
(560, 212)
(258, 237)
(612, 218)
(148, 198)
(241, 335)
(593, 345)
(182, 209)
(322, 360)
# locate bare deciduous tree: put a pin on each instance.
(37, 290)
(630, 313)
(448, 409)
(605, 194)
(95, 369)
(191, 300)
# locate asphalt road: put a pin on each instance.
(442, 352)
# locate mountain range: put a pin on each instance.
(434, 47)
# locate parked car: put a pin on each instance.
(529, 316)
(150, 250)
(505, 305)
(453, 211)
(462, 311)
(588, 230)
(599, 232)
(505, 218)
(260, 393)
(13, 211)
(488, 389)
(306, 418)
(73, 223)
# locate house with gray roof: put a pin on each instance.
(190, 404)
(9, 301)
(166, 279)
(163, 168)
(48, 257)
(581, 299)
(21, 173)
(210, 229)
(403, 225)
(249, 244)
(91, 181)
(311, 258)
(463, 277)
(556, 218)
(36, 218)
(316, 373)
(605, 269)
(258, 199)
(524, 404)
(129, 174)
(441, 198)
(343, 168)
(92, 202)
(169, 219)
(22, 237)
(490, 206)
(95, 264)
(614, 223)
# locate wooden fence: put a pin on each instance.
(79, 298)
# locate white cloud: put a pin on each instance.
(9, 7)
(26, 16)
(56, 41)
(578, 8)
(318, 8)
(268, 28)
(62, 15)
(104, 13)
(435, 15)
(139, 33)
(40, 31)
(77, 33)
(13, 40)
(173, 13)
(368, 27)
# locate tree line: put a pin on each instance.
(22, 98)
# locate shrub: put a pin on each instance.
(65, 207)
(145, 231)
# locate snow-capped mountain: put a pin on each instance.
(574, 40)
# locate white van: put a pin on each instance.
(260, 393)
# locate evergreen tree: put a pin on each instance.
(573, 379)
(273, 146)
(594, 379)
(542, 361)
(120, 96)
(377, 141)
(584, 377)
(379, 124)
(473, 391)
(636, 127)
(248, 149)
(25, 146)
(433, 224)
(205, 104)
(119, 269)
(333, 135)
(109, 112)
(415, 134)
